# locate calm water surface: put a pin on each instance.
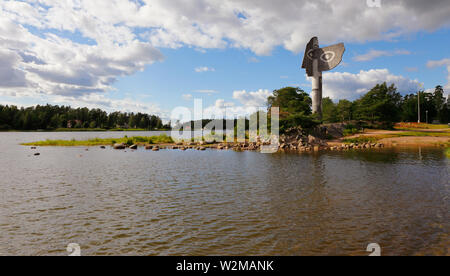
(220, 202)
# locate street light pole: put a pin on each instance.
(418, 105)
(427, 116)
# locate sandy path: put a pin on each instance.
(402, 141)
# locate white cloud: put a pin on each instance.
(10, 75)
(229, 110)
(438, 63)
(51, 64)
(350, 86)
(204, 69)
(372, 54)
(117, 38)
(187, 97)
(255, 99)
(253, 60)
(206, 91)
(412, 69)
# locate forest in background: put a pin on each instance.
(53, 117)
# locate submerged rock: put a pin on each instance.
(134, 147)
(37, 154)
(119, 146)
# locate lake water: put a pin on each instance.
(220, 202)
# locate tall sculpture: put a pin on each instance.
(316, 61)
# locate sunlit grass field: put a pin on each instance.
(162, 139)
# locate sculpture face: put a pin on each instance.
(329, 57)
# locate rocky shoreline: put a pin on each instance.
(255, 146)
(294, 140)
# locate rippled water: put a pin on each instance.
(220, 202)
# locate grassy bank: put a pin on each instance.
(162, 139)
(447, 152)
(376, 138)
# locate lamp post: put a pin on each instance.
(418, 106)
(427, 116)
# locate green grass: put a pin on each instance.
(162, 139)
(447, 152)
(362, 139)
(351, 132)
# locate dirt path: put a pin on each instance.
(415, 141)
(402, 141)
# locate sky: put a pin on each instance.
(154, 55)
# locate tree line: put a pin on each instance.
(382, 103)
(50, 117)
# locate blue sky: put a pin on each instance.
(240, 69)
(152, 56)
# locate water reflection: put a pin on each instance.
(220, 202)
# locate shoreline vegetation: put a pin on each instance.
(423, 135)
(88, 130)
(129, 141)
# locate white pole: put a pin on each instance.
(418, 105)
(316, 93)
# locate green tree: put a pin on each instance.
(329, 110)
(344, 110)
(295, 108)
(291, 100)
(381, 103)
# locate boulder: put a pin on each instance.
(120, 146)
(103, 147)
(37, 154)
(134, 147)
(148, 147)
(155, 149)
(312, 139)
